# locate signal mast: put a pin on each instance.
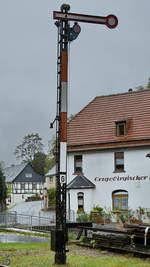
(66, 34)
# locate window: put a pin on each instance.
(16, 185)
(119, 161)
(51, 179)
(23, 186)
(40, 185)
(121, 128)
(78, 164)
(120, 200)
(80, 202)
(33, 186)
(28, 175)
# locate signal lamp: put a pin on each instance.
(73, 32)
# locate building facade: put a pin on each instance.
(50, 178)
(25, 182)
(108, 143)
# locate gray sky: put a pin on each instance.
(102, 61)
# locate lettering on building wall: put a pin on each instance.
(124, 179)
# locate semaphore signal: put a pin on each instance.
(66, 34)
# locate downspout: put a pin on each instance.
(145, 235)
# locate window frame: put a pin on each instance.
(22, 186)
(75, 163)
(123, 194)
(34, 186)
(80, 197)
(118, 130)
(51, 180)
(115, 162)
(28, 175)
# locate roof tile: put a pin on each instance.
(96, 123)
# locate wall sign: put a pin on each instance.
(124, 179)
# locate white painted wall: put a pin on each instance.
(88, 199)
(101, 164)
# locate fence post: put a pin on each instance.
(31, 224)
(15, 217)
(39, 218)
(6, 219)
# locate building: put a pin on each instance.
(24, 181)
(108, 141)
(50, 178)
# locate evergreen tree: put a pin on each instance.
(3, 190)
(50, 160)
(148, 85)
(39, 162)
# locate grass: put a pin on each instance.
(40, 255)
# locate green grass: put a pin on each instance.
(40, 255)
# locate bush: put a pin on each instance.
(33, 198)
(84, 217)
(99, 210)
(52, 195)
(123, 217)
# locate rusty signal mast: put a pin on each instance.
(66, 34)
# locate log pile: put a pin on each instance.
(111, 240)
(137, 229)
(141, 233)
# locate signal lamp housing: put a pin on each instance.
(73, 32)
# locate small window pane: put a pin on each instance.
(121, 129)
(124, 203)
(34, 186)
(119, 161)
(28, 175)
(51, 179)
(117, 203)
(22, 186)
(119, 155)
(78, 163)
(80, 201)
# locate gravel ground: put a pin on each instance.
(91, 252)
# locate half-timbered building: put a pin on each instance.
(24, 181)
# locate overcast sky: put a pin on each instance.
(102, 61)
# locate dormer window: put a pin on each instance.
(28, 175)
(121, 128)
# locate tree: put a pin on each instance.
(148, 85)
(51, 156)
(39, 162)
(32, 144)
(71, 117)
(3, 190)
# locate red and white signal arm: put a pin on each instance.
(110, 21)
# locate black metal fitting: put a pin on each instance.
(66, 7)
(57, 23)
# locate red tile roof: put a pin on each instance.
(95, 125)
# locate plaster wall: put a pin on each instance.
(88, 199)
(98, 167)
